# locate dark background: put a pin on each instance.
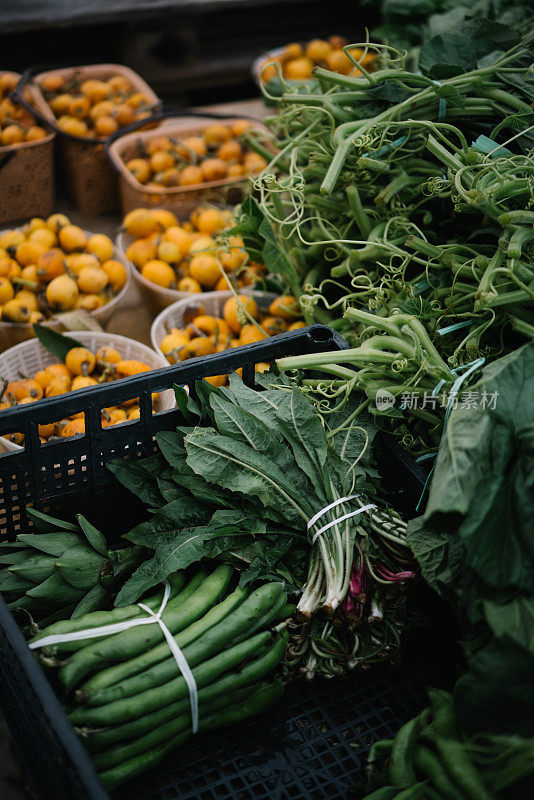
(189, 51)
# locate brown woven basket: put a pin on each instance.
(90, 179)
(27, 173)
(181, 199)
(12, 333)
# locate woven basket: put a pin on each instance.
(90, 179)
(181, 199)
(211, 302)
(27, 172)
(29, 357)
(12, 333)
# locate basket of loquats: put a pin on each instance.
(180, 165)
(297, 62)
(26, 154)
(48, 267)
(172, 259)
(89, 104)
(31, 371)
(217, 321)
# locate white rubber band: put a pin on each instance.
(331, 524)
(118, 627)
(324, 510)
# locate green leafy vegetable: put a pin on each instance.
(55, 342)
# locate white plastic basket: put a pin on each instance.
(211, 302)
(30, 356)
(12, 333)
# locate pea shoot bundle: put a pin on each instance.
(398, 209)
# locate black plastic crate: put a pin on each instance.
(310, 747)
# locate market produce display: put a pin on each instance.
(188, 256)
(78, 368)
(49, 266)
(214, 153)
(296, 61)
(241, 321)
(261, 540)
(16, 124)
(94, 108)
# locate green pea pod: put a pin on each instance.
(401, 768)
(443, 713)
(429, 766)
(461, 769)
(418, 790)
(378, 749)
(384, 793)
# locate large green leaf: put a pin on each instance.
(249, 428)
(241, 469)
(138, 479)
(497, 694)
(55, 342)
(181, 513)
(482, 491)
(514, 619)
(303, 430)
(453, 53)
(171, 444)
(177, 549)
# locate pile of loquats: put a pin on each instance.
(81, 369)
(215, 153)
(94, 108)
(187, 257)
(242, 322)
(298, 61)
(16, 124)
(49, 266)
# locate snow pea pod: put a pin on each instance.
(140, 663)
(241, 621)
(262, 699)
(122, 646)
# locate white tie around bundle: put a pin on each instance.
(328, 508)
(118, 627)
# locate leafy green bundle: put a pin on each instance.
(62, 570)
(475, 546)
(408, 23)
(241, 483)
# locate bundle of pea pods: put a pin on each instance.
(125, 693)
